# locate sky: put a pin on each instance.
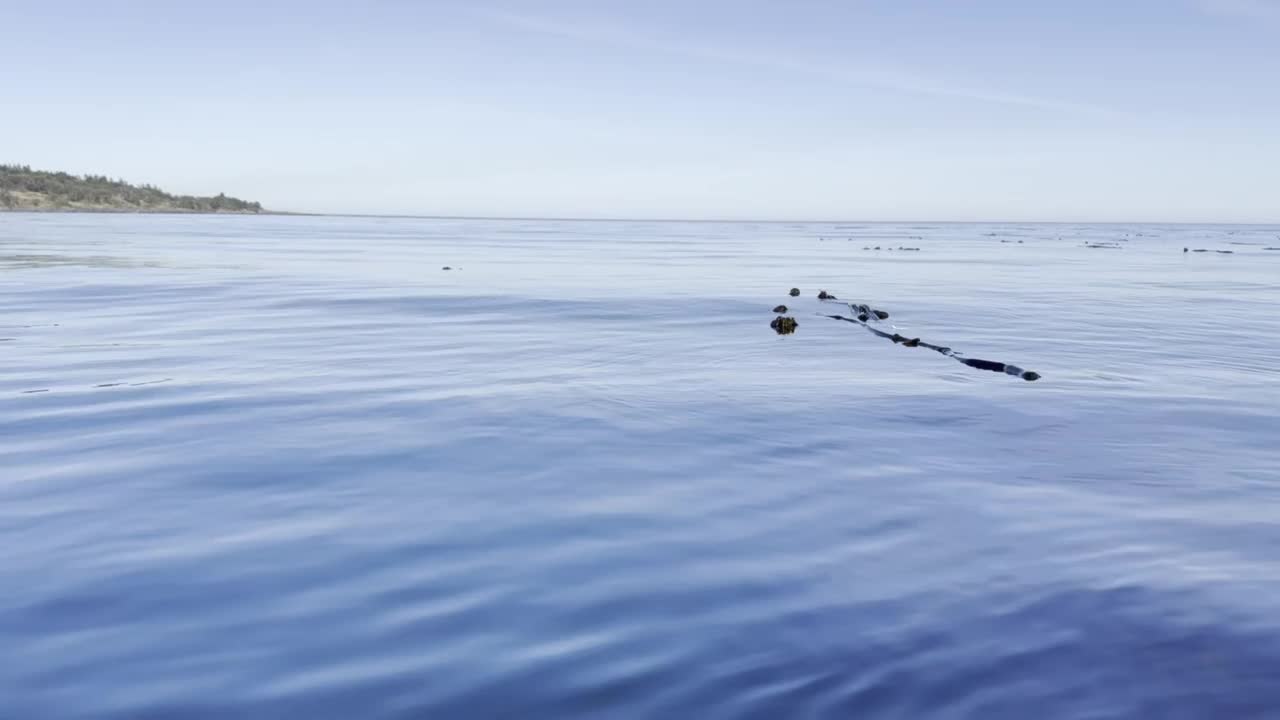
(1087, 110)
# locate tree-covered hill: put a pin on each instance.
(22, 188)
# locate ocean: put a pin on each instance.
(290, 467)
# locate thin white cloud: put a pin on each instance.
(860, 76)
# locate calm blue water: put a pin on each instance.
(287, 467)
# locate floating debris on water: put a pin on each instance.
(795, 292)
(1225, 252)
(446, 267)
(1007, 369)
(868, 311)
(784, 325)
(865, 316)
(780, 309)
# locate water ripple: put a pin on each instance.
(288, 467)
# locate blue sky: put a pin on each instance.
(1162, 110)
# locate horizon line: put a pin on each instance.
(566, 218)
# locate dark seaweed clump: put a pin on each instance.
(863, 317)
(784, 325)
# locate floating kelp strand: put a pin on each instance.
(979, 364)
(856, 308)
(899, 339)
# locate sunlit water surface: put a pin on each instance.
(269, 467)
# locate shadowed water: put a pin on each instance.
(266, 467)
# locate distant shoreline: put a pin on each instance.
(25, 189)
(145, 211)
(519, 218)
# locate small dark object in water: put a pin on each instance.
(913, 342)
(784, 325)
(1019, 242)
(824, 295)
(1030, 376)
(868, 247)
(863, 318)
(780, 309)
(1199, 250)
(1270, 248)
(1184, 249)
(881, 314)
(1225, 252)
(446, 267)
(983, 364)
(795, 292)
(877, 247)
